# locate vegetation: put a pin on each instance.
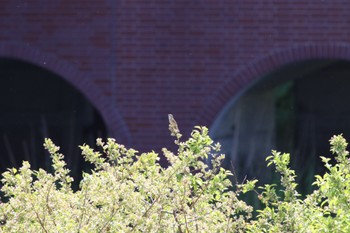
(130, 192)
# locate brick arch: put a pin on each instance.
(249, 74)
(82, 82)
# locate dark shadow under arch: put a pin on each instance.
(296, 108)
(35, 104)
(115, 123)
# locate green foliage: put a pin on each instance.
(327, 209)
(130, 192)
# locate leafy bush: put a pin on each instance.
(130, 192)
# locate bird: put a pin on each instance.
(174, 129)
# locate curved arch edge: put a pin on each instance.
(116, 125)
(249, 74)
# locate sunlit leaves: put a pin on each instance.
(127, 192)
(130, 192)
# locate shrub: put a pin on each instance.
(130, 192)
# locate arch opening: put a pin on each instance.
(295, 109)
(35, 104)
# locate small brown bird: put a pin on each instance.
(173, 125)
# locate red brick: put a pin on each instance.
(189, 58)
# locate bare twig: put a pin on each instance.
(114, 211)
(177, 221)
(47, 203)
(40, 221)
(83, 211)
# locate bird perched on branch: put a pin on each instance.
(174, 129)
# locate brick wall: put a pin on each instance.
(139, 60)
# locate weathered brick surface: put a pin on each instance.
(138, 60)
